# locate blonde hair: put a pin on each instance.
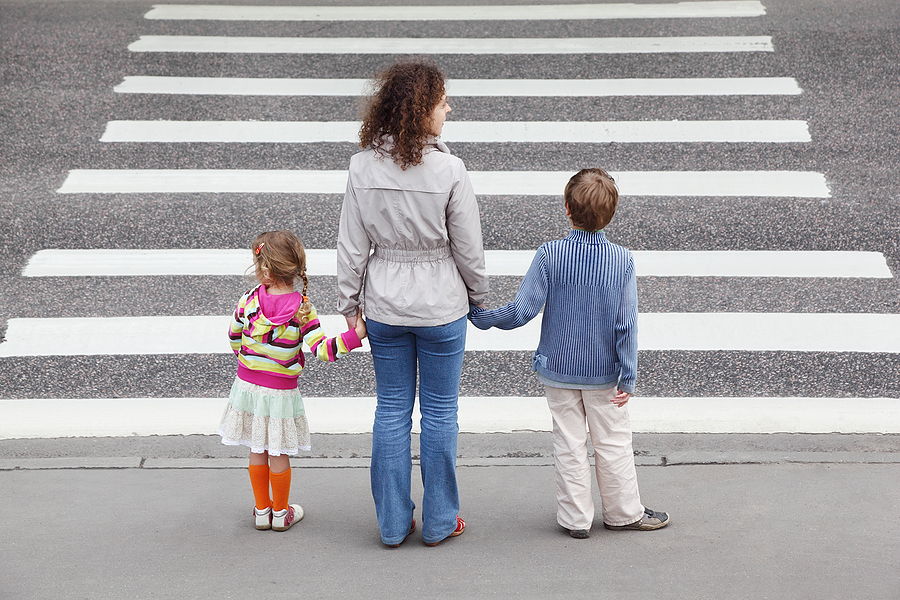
(591, 197)
(281, 256)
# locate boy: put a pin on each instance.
(586, 358)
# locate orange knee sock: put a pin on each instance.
(259, 479)
(281, 489)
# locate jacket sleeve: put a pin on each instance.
(626, 330)
(353, 247)
(464, 231)
(236, 327)
(529, 300)
(327, 349)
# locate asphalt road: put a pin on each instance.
(61, 61)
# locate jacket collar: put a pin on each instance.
(431, 143)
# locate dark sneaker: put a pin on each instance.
(650, 521)
(580, 534)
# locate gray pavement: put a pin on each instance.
(749, 520)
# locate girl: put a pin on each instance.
(265, 409)
(411, 202)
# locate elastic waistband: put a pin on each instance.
(412, 256)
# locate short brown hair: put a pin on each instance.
(405, 95)
(591, 197)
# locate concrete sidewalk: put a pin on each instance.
(794, 526)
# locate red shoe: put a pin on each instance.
(412, 527)
(460, 527)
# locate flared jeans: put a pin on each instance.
(434, 356)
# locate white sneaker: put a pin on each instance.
(263, 518)
(282, 520)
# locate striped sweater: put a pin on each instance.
(588, 290)
(269, 351)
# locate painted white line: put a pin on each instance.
(322, 262)
(206, 334)
(680, 10)
(226, 86)
(326, 45)
(798, 184)
(125, 417)
(301, 132)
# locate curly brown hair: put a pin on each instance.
(405, 95)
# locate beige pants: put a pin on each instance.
(610, 429)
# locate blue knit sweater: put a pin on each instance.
(588, 290)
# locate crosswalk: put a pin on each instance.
(771, 184)
(681, 10)
(446, 46)
(500, 263)
(703, 332)
(557, 88)
(307, 132)
(700, 331)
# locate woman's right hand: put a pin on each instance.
(359, 326)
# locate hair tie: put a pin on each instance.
(258, 248)
(305, 299)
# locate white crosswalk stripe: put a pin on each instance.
(323, 45)
(680, 10)
(102, 417)
(777, 184)
(258, 86)
(322, 262)
(301, 132)
(205, 334)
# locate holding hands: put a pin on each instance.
(357, 324)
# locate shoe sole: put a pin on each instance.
(641, 527)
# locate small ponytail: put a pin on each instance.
(305, 305)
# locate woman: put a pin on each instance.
(410, 203)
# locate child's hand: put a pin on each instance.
(360, 327)
(621, 399)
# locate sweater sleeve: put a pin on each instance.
(327, 349)
(464, 231)
(529, 300)
(626, 330)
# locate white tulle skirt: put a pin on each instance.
(265, 419)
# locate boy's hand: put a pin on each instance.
(360, 326)
(621, 399)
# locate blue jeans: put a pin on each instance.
(396, 353)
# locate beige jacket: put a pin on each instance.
(414, 237)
